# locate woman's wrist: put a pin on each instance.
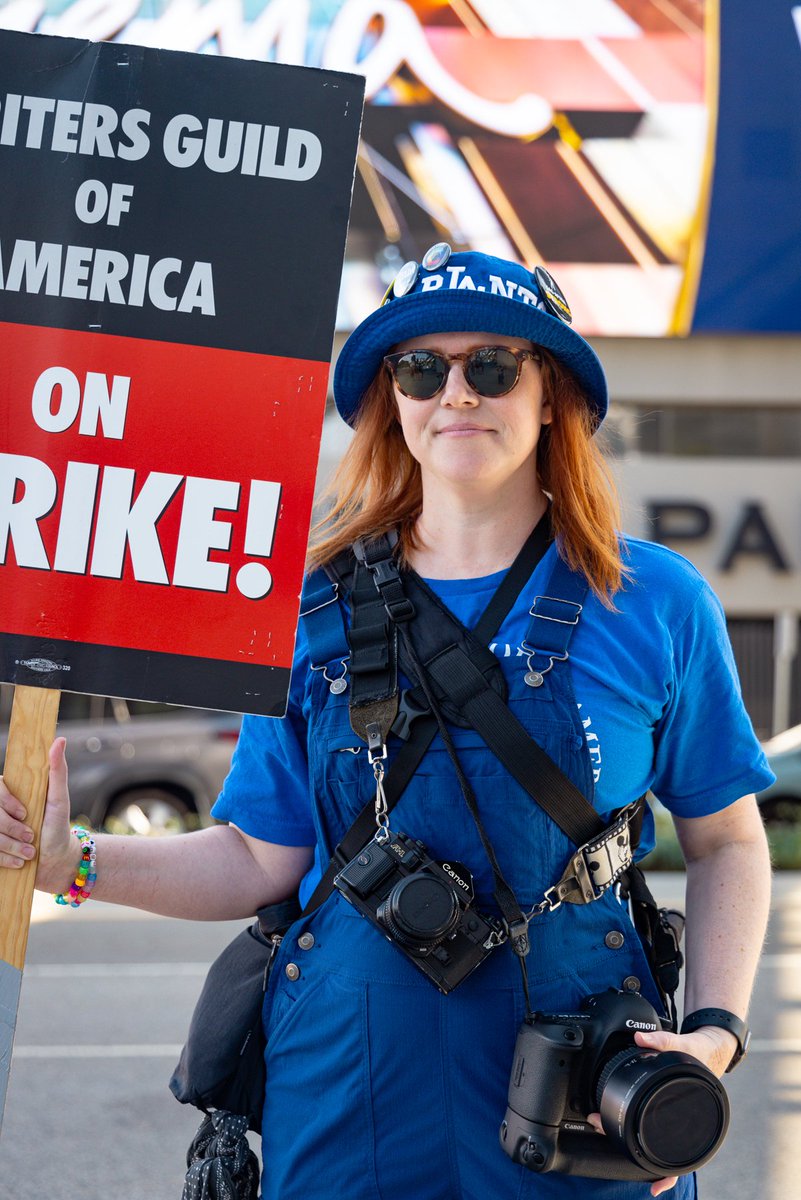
(59, 875)
(86, 876)
(725, 1046)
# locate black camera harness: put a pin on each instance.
(459, 678)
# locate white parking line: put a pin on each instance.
(140, 1050)
(153, 970)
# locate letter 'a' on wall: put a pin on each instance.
(169, 271)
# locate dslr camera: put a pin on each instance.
(664, 1113)
(423, 907)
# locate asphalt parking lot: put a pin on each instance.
(106, 998)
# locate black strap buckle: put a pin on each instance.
(377, 556)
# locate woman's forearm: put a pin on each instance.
(728, 898)
(209, 875)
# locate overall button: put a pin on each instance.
(614, 939)
(630, 984)
(306, 941)
(292, 971)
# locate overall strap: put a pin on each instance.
(372, 638)
(323, 623)
(554, 617)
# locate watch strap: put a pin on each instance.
(720, 1018)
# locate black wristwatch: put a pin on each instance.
(720, 1018)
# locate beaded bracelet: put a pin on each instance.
(86, 878)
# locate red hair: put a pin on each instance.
(378, 486)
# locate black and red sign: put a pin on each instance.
(172, 229)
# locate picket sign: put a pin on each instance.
(31, 732)
(167, 309)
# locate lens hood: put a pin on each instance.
(665, 1110)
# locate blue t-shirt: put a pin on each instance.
(655, 683)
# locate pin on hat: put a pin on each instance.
(436, 256)
(405, 278)
(552, 295)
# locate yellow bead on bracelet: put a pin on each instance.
(86, 878)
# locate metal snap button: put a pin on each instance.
(614, 939)
(292, 971)
(306, 941)
(631, 984)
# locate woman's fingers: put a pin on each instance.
(659, 1185)
(713, 1047)
(56, 851)
(16, 837)
(663, 1185)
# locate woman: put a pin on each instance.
(474, 405)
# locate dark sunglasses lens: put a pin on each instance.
(492, 371)
(420, 375)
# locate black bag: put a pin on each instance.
(222, 1063)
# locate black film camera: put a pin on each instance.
(423, 907)
(664, 1113)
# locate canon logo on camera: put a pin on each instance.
(450, 871)
(646, 1025)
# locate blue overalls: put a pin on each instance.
(378, 1086)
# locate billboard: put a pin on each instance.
(648, 152)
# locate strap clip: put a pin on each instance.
(376, 746)
(518, 936)
(594, 868)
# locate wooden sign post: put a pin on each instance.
(30, 735)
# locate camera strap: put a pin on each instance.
(515, 920)
(420, 732)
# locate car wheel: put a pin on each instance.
(152, 812)
(781, 810)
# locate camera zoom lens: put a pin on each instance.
(680, 1122)
(420, 911)
(667, 1111)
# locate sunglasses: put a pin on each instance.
(489, 370)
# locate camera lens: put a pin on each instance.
(420, 911)
(667, 1111)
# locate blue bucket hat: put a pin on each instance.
(449, 293)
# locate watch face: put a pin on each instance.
(746, 1043)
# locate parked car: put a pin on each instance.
(144, 768)
(781, 802)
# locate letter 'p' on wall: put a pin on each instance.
(165, 372)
